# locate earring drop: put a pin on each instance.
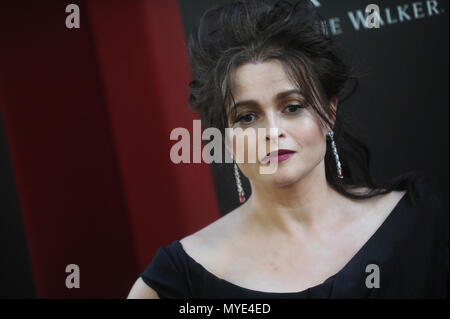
(239, 184)
(336, 155)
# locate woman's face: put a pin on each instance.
(299, 127)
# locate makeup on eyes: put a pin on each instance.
(298, 107)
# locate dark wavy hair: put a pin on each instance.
(240, 32)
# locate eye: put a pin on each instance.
(294, 108)
(244, 119)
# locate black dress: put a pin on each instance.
(410, 248)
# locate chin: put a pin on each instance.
(284, 176)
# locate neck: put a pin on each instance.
(308, 203)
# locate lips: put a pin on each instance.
(277, 153)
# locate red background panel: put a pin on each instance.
(88, 114)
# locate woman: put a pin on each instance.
(319, 226)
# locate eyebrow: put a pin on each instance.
(278, 97)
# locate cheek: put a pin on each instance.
(245, 146)
(307, 133)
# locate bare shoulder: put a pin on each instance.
(205, 246)
(215, 231)
(141, 290)
(387, 199)
(201, 246)
(209, 245)
(381, 206)
(390, 200)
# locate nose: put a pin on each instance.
(274, 134)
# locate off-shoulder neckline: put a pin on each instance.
(371, 239)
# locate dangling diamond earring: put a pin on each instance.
(238, 183)
(336, 156)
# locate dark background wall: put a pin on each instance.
(83, 111)
(16, 278)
